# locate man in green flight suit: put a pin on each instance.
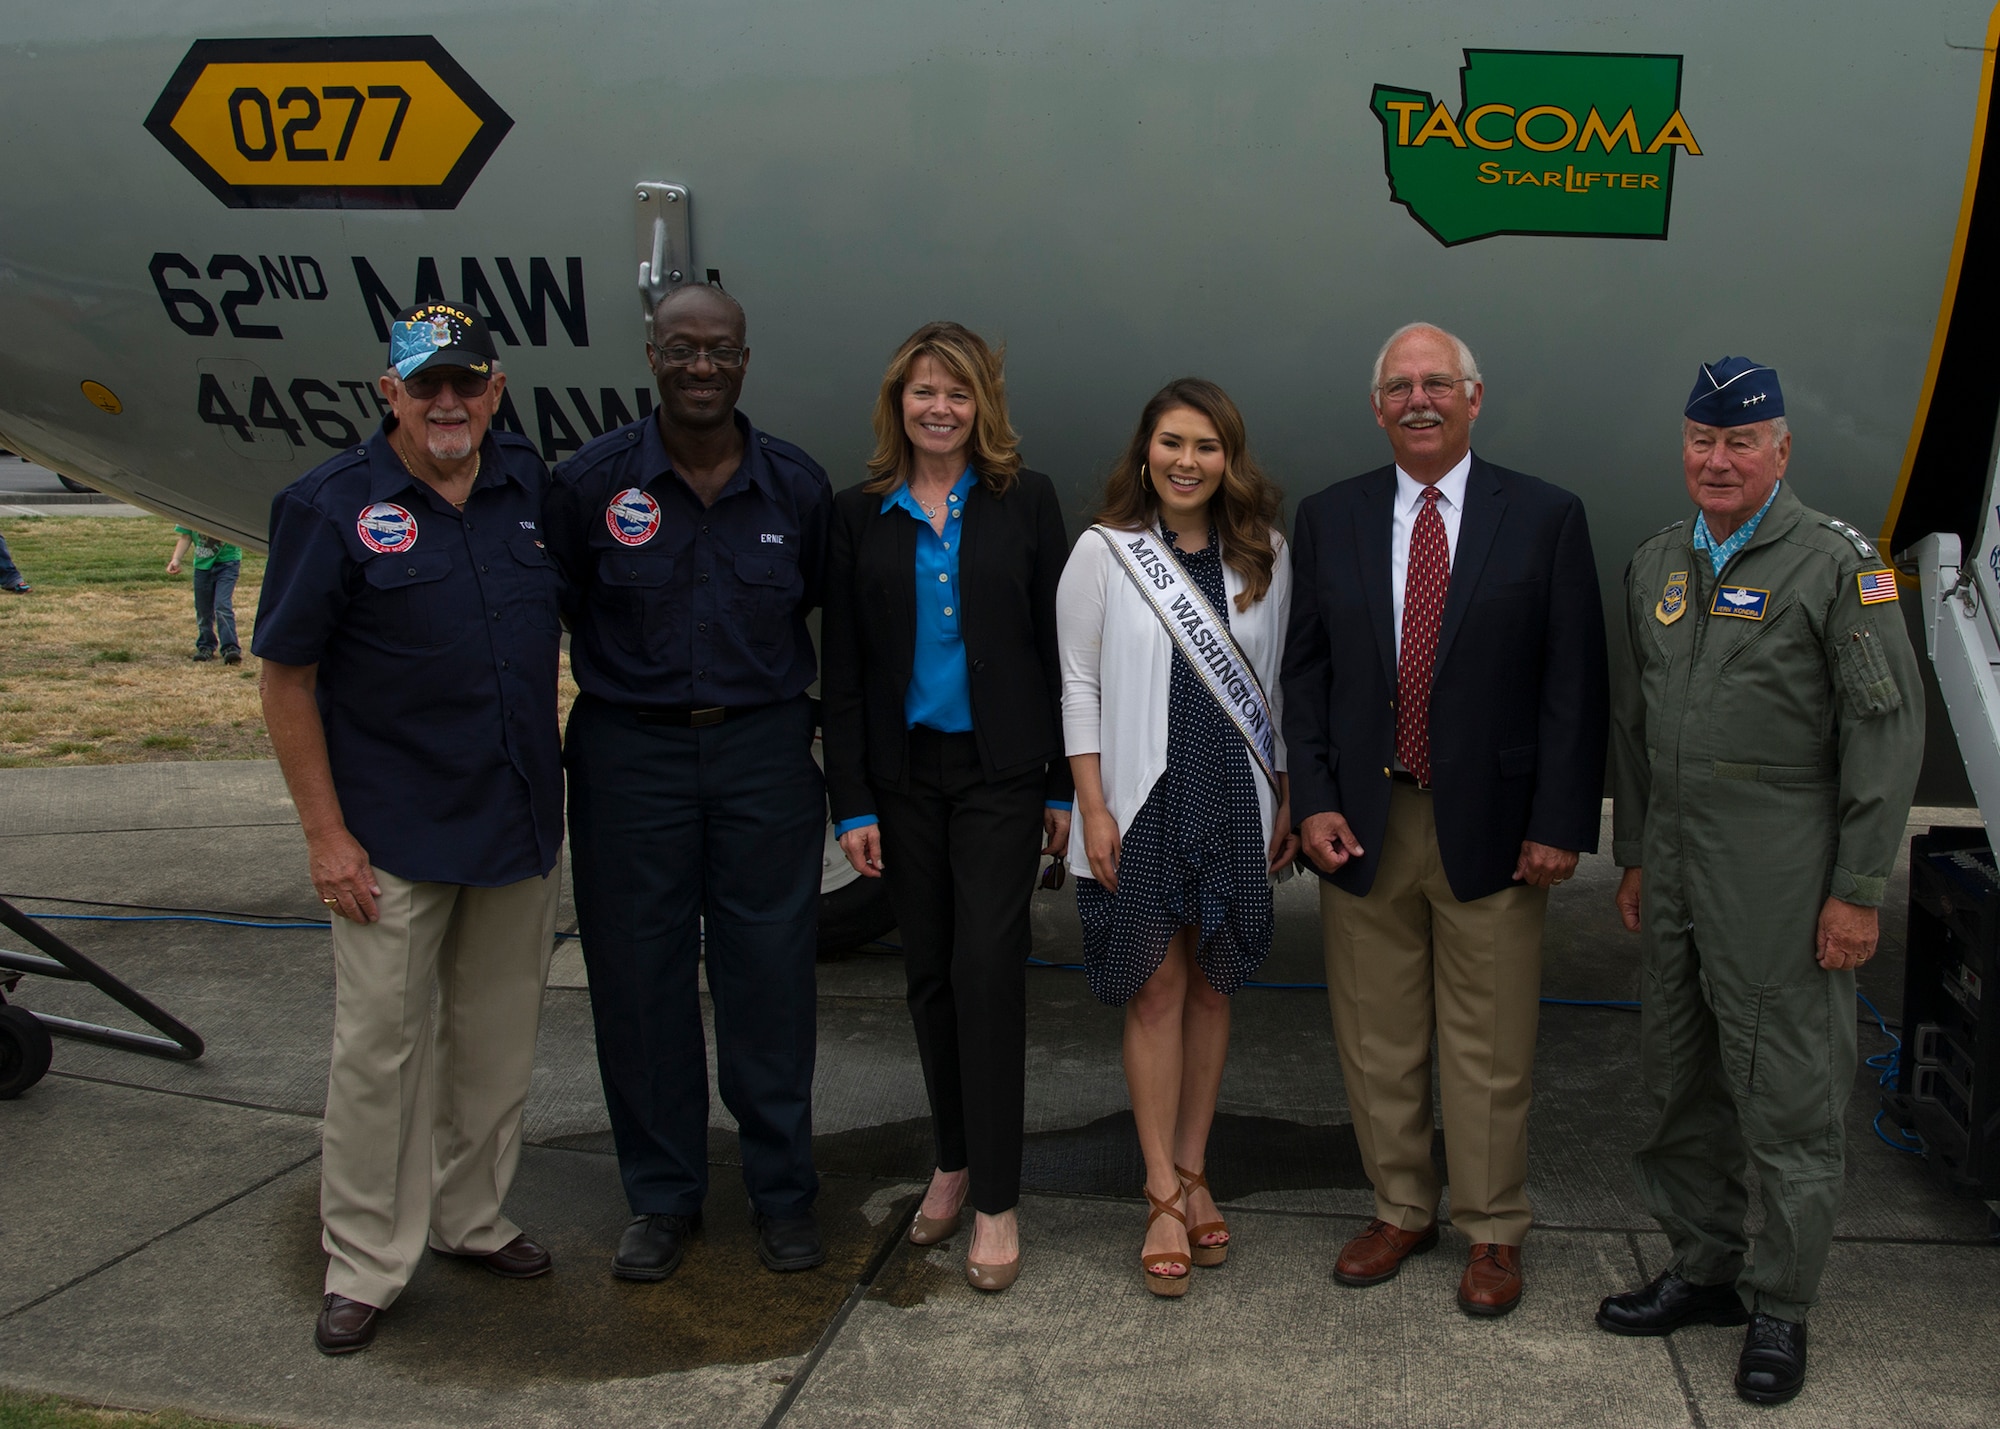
(1767, 726)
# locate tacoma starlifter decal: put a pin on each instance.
(1543, 143)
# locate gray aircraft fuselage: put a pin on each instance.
(209, 237)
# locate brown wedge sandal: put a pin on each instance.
(1159, 1278)
(1206, 1256)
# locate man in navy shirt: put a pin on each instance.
(409, 633)
(692, 546)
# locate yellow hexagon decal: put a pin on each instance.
(347, 122)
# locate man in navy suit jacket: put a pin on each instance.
(1446, 711)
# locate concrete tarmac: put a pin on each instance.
(159, 1236)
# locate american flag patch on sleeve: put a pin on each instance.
(1876, 586)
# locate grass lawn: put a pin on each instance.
(27, 1411)
(94, 665)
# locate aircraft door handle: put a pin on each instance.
(666, 254)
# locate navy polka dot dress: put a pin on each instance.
(1195, 854)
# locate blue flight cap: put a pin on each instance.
(1734, 393)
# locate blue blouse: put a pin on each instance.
(940, 692)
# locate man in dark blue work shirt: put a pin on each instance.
(409, 632)
(693, 546)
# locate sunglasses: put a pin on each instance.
(1055, 875)
(425, 385)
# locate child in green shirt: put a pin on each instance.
(216, 566)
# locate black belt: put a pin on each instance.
(694, 716)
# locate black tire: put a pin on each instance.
(25, 1051)
(78, 487)
(850, 916)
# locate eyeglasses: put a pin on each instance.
(682, 355)
(1437, 387)
(425, 385)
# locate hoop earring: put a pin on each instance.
(1142, 472)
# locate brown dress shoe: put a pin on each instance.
(1491, 1284)
(1379, 1252)
(344, 1326)
(519, 1259)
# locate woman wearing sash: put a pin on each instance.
(943, 743)
(1172, 615)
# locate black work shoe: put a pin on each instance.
(652, 1246)
(791, 1244)
(1667, 1304)
(233, 657)
(344, 1326)
(201, 657)
(1773, 1366)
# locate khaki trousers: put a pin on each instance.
(1410, 958)
(413, 1154)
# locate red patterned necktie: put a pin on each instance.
(1425, 582)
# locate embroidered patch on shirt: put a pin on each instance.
(632, 517)
(385, 526)
(1674, 599)
(1876, 586)
(1744, 602)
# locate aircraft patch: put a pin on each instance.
(632, 517)
(1673, 600)
(386, 527)
(1861, 542)
(1742, 601)
(1876, 586)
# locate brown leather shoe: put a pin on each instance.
(519, 1259)
(344, 1326)
(1379, 1252)
(1491, 1284)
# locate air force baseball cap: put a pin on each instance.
(440, 335)
(1735, 392)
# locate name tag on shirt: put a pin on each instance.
(1742, 601)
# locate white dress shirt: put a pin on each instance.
(1403, 524)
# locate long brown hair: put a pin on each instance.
(1246, 506)
(965, 355)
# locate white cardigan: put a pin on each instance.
(1115, 659)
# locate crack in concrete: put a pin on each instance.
(154, 1240)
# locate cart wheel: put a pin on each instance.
(24, 1051)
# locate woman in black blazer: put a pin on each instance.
(943, 744)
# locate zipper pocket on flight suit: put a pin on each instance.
(1865, 677)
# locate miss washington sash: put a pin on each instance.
(1200, 634)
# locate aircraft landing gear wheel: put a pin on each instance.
(25, 1051)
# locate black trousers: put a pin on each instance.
(960, 856)
(673, 830)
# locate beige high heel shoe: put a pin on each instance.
(927, 1231)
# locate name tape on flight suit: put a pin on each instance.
(1742, 601)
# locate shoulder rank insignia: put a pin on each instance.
(1876, 586)
(1673, 600)
(1742, 601)
(1860, 541)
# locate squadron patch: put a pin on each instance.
(1673, 600)
(1860, 541)
(632, 517)
(386, 527)
(1742, 601)
(1876, 586)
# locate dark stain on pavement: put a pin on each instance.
(459, 1323)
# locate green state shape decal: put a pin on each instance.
(1544, 142)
